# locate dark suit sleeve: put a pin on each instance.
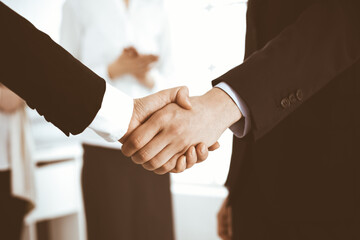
(46, 76)
(299, 62)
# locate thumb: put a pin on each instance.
(182, 98)
(179, 95)
(145, 107)
(214, 146)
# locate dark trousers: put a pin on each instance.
(263, 229)
(12, 210)
(251, 221)
(122, 200)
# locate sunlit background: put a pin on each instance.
(207, 40)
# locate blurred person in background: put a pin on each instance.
(127, 43)
(17, 195)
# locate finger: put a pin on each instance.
(168, 166)
(201, 152)
(150, 58)
(164, 156)
(153, 151)
(158, 100)
(214, 146)
(132, 51)
(180, 165)
(191, 157)
(141, 136)
(145, 61)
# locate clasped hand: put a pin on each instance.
(169, 131)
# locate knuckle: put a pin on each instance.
(143, 156)
(177, 130)
(136, 160)
(151, 165)
(146, 166)
(166, 168)
(182, 143)
(125, 151)
(162, 170)
(136, 142)
(163, 118)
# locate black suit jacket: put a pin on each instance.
(46, 76)
(301, 82)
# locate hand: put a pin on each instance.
(193, 155)
(9, 101)
(171, 131)
(145, 107)
(224, 218)
(131, 62)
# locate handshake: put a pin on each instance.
(170, 131)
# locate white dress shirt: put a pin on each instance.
(96, 32)
(242, 127)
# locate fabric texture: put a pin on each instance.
(122, 200)
(21, 158)
(296, 173)
(46, 76)
(12, 210)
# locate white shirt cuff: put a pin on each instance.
(113, 119)
(243, 126)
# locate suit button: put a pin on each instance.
(292, 98)
(299, 95)
(285, 103)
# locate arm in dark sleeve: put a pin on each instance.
(305, 57)
(46, 76)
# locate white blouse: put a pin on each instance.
(4, 142)
(96, 32)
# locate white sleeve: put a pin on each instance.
(113, 119)
(242, 127)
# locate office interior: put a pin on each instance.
(204, 45)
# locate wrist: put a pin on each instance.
(223, 106)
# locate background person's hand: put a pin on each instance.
(224, 221)
(9, 101)
(145, 107)
(133, 63)
(170, 132)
